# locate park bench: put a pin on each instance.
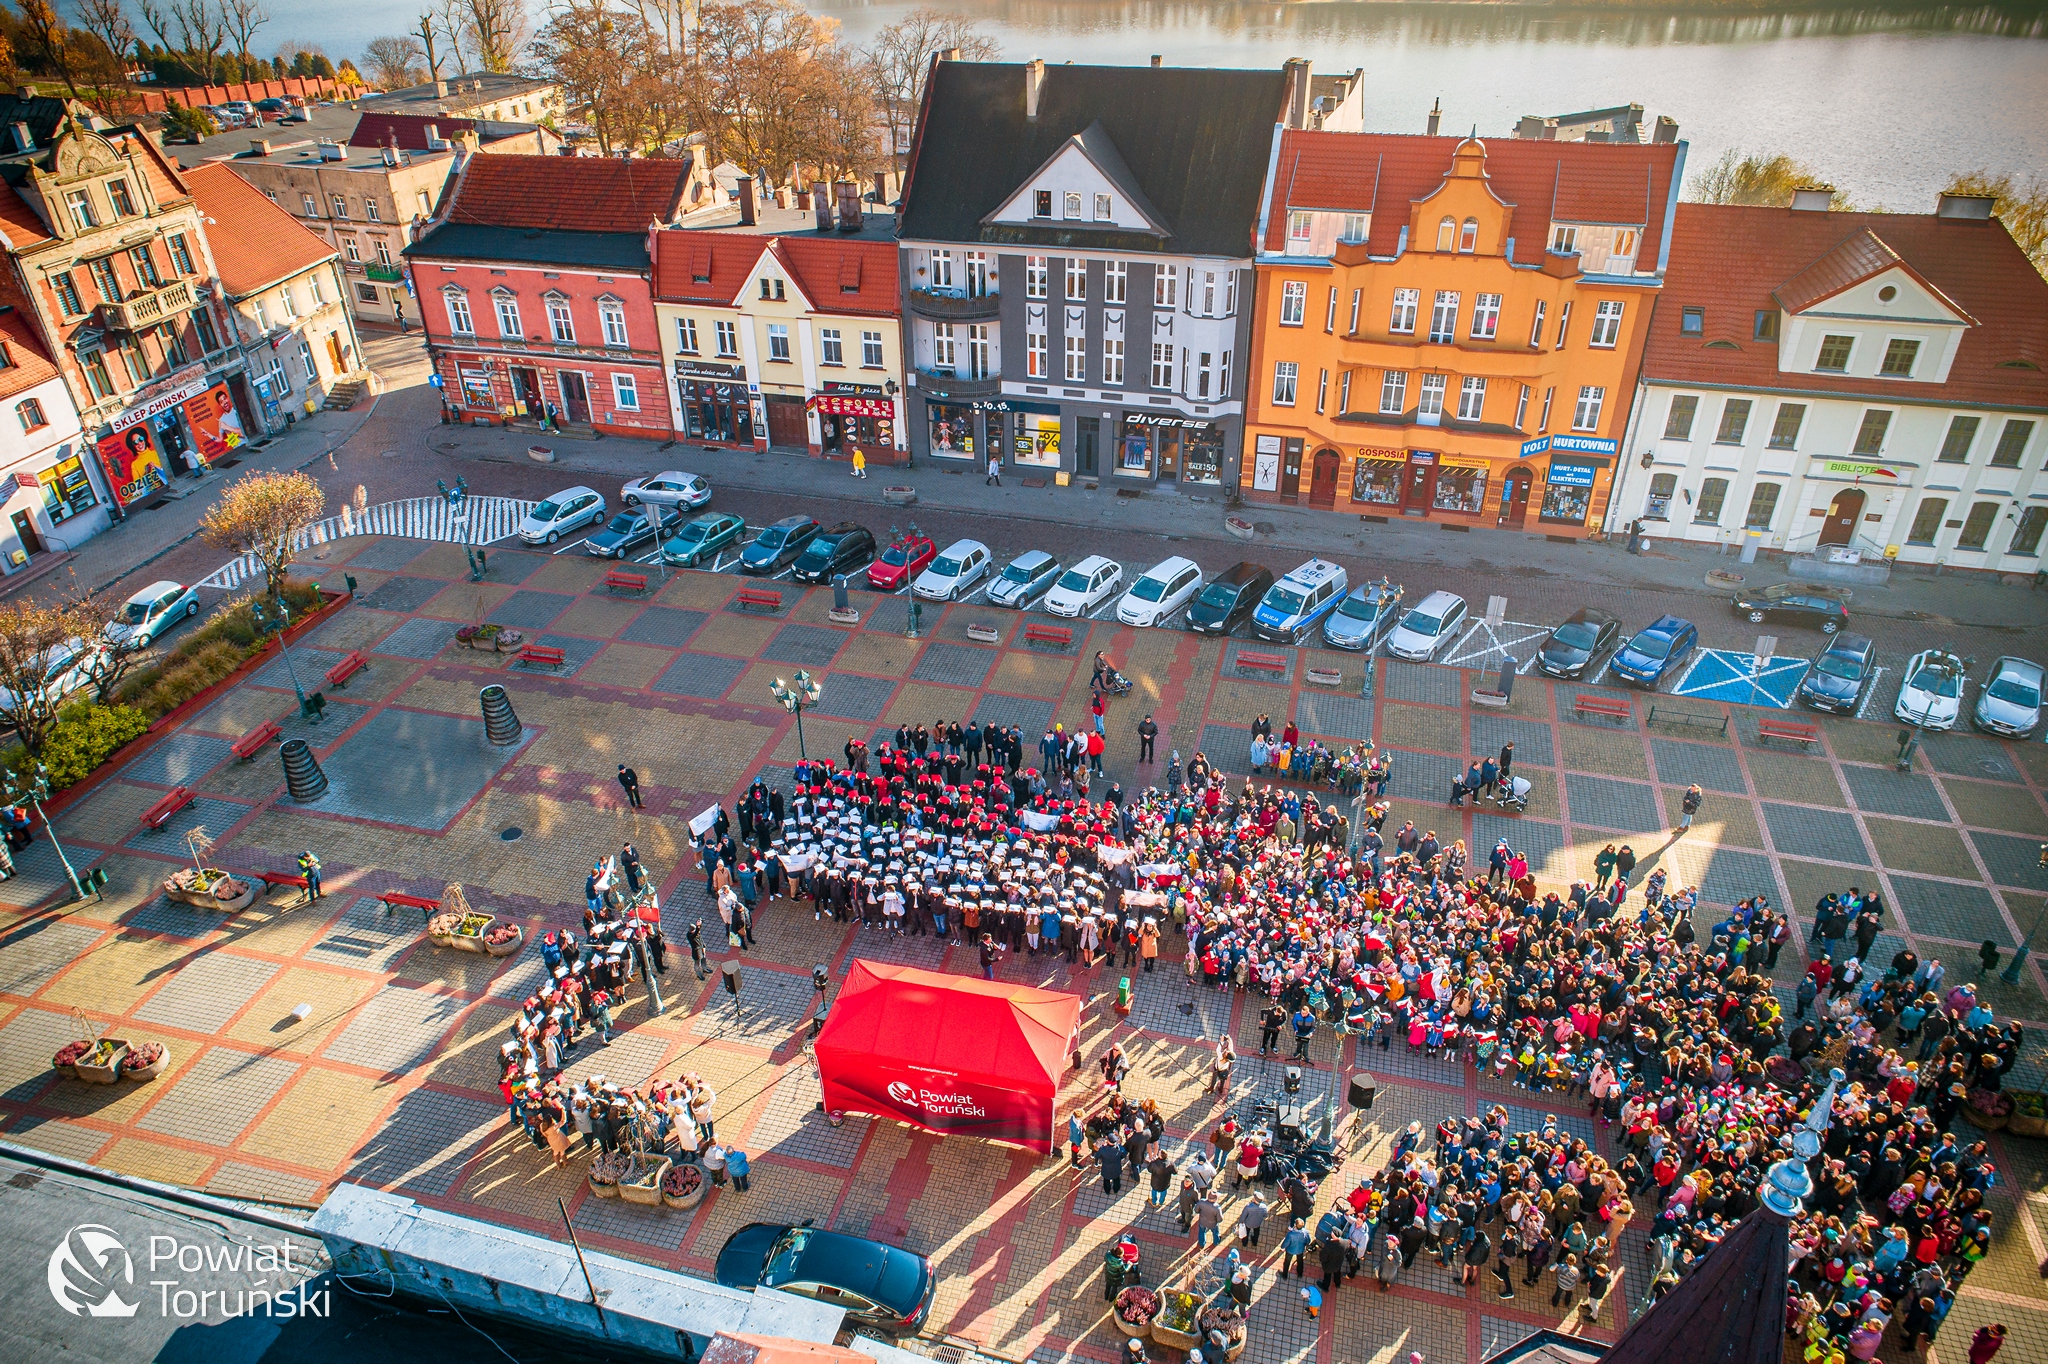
(341, 672)
(1789, 730)
(392, 899)
(543, 655)
(1250, 661)
(1613, 707)
(159, 814)
(1059, 636)
(618, 580)
(1697, 719)
(250, 744)
(273, 879)
(765, 597)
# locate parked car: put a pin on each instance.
(67, 667)
(845, 548)
(568, 510)
(1229, 599)
(1083, 587)
(957, 568)
(1837, 679)
(1656, 651)
(1297, 603)
(151, 612)
(1028, 577)
(1428, 626)
(2010, 701)
(1932, 694)
(1794, 604)
(879, 1285)
(901, 562)
(1363, 618)
(1160, 591)
(669, 488)
(272, 106)
(634, 526)
(1574, 646)
(777, 547)
(703, 538)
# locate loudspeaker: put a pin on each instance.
(1291, 1081)
(1290, 1122)
(1363, 1089)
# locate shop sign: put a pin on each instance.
(191, 385)
(1014, 405)
(1573, 475)
(703, 369)
(476, 388)
(1582, 445)
(841, 406)
(1266, 464)
(1037, 439)
(863, 390)
(1165, 419)
(134, 465)
(216, 426)
(1848, 469)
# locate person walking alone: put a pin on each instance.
(860, 463)
(629, 781)
(1148, 734)
(1689, 806)
(995, 472)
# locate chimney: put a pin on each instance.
(24, 140)
(951, 54)
(1034, 81)
(849, 205)
(259, 146)
(821, 205)
(1964, 207)
(1436, 115)
(1297, 69)
(1157, 61)
(25, 92)
(746, 195)
(1666, 130)
(440, 89)
(1813, 198)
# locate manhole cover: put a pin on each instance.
(512, 834)
(1992, 765)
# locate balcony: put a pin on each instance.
(384, 274)
(954, 307)
(957, 387)
(145, 309)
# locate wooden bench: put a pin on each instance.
(250, 744)
(340, 673)
(1059, 636)
(618, 580)
(765, 597)
(274, 879)
(1613, 707)
(1789, 730)
(1689, 717)
(545, 655)
(159, 814)
(392, 899)
(1247, 660)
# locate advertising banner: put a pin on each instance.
(134, 465)
(943, 1102)
(216, 426)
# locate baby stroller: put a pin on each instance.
(1512, 794)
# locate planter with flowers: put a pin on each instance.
(607, 1168)
(1224, 1323)
(1178, 1325)
(2029, 1113)
(502, 940)
(1136, 1306)
(1989, 1109)
(683, 1186)
(100, 1062)
(145, 1062)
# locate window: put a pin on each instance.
(458, 314)
(1394, 391)
(560, 325)
(172, 343)
(977, 274)
(1036, 355)
(1113, 366)
(1165, 286)
(1344, 393)
(1870, 435)
(2012, 443)
(508, 316)
(1766, 326)
(1678, 421)
(82, 215)
(1977, 525)
(942, 270)
(1077, 280)
(353, 249)
(311, 205)
(1785, 426)
(1041, 203)
(383, 250)
(288, 301)
(96, 377)
(1536, 327)
(426, 203)
(1430, 402)
(1322, 387)
(1103, 208)
(371, 211)
(1230, 293)
(1284, 375)
(106, 280)
(612, 317)
(1355, 225)
(771, 287)
(1763, 505)
(1485, 316)
(1072, 205)
(123, 201)
(1692, 321)
(1543, 422)
(1586, 416)
(1115, 281)
(1406, 303)
(1446, 234)
(1713, 493)
(1734, 421)
(871, 350)
(1834, 353)
(1301, 229)
(1564, 240)
(1955, 447)
(31, 413)
(1209, 293)
(202, 320)
(1443, 317)
(1330, 315)
(1522, 407)
(306, 361)
(145, 266)
(1564, 323)
(1606, 326)
(262, 315)
(686, 335)
(132, 360)
(340, 202)
(1034, 277)
(1077, 359)
(778, 341)
(1357, 297)
(1468, 236)
(2027, 539)
(1471, 398)
(728, 338)
(1663, 487)
(625, 393)
(277, 383)
(1899, 356)
(977, 351)
(1162, 365)
(831, 351)
(1293, 302)
(1927, 521)
(1223, 377)
(66, 290)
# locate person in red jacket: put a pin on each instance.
(1986, 1342)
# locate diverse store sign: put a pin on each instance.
(216, 426)
(839, 405)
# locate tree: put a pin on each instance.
(394, 63)
(108, 21)
(486, 34)
(757, 92)
(2022, 208)
(49, 41)
(242, 18)
(604, 59)
(36, 640)
(900, 60)
(263, 515)
(201, 32)
(1755, 178)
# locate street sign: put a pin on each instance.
(1766, 645)
(1496, 611)
(434, 381)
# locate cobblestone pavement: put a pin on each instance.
(389, 1078)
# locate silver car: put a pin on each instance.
(2009, 703)
(1028, 577)
(1365, 614)
(669, 488)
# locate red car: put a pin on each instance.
(901, 562)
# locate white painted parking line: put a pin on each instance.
(1594, 680)
(1470, 631)
(978, 590)
(572, 545)
(1870, 695)
(1527, 664)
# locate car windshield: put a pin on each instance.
(1221, 595)
(1148, 589)
(772, 538)
(1285, 602)
(1647, 645)
(694, 532)
(138, 612)
(1576, 634)
(1415, 622)
(1358, 608)
(819, 548)
(895, 556)
(625, 523)
(1074, 580)
(1017, 573)
(1839, 665)
(784, 1254)
(1937, 680)
(946, 566)
(2014, 691)
(547, 511)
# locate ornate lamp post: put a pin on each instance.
(34, 792)
(308, 708)
(794, 695)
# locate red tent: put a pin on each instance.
(950, 1054)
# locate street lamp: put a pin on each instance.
(309, 708)
(1390, 598)
(1948, 666)
(794, 695)
(34, 792)
(2011, 974)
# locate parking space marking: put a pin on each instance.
(1870, 695)
(1470, 630)
(1594, 680)
(573, 544)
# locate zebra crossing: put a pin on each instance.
(482, 521)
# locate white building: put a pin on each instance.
(53, 497)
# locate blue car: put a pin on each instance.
(1656, 651)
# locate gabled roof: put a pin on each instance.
(835, 274)
(1095, 143)
(410, 130)
(44, 115)
(1194, 142)
(1729, 1310)
(255, 243)
(1734, 261)
(568, 193)
(843, 276)
(1385, 173)
(28, 364)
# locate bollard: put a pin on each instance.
(1506, 685)
(839, 602)
(302, 774)
(501, 725)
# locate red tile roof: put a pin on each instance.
(255, 243)
(1383, 173)
(27, 364)
(703, 267)
(836, 274)
(568, 193)
(1735, 261)
(377, 130)
(1863, 256)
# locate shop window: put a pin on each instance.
(626, 392)
(1663, 487)
(1927, 521)
(1568, 493)
(1377, 481)
(1678, 421)
(1955, 446)
(2012, 443)
(1834, 353)
(1785, 426)
(31, 413)
(1977, 525)
(1713, 494)
(1134, 450)
(1734, 422)
(2027, 539)
(365, 293)
(1763, 505)
(1460, 489)
(1870, 434)
(1899, 355)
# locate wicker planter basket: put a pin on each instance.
(690, 1199)
(108, 1072)
(153, 1069)
(646, 1190)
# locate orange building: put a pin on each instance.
(1449, 329)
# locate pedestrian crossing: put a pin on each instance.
(481, 521)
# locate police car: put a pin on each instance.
(1294, 605)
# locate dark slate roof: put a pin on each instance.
(625, 251)
(43, 114)
(1730, 1310)
(1195, 140)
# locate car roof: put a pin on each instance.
(1033, 559)
(1240, 573)
(1314, 573)
(1169, 568)
(1589, 615)
(1374, 590)
(676, 474)
(790, 522)
(567, 493)
(1091, 563)
(1666, 625)
(2024, 666)
(1438, 601)
(157, 589)
(960, 547)
(845, 528)
(1846, 643)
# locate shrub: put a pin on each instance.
(207, 655)
(80, 741)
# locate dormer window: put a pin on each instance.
(1041, 203)
(1899, 355)
(1564, 240)
(771, 287)
(1073, 207)
(1834, 353)
(1468, 236)
(82, 216)
(124, 202)
(1692, 321)
(1446, 234)
(1355, 227)
(1103, 212)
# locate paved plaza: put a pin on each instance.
(390, 1079)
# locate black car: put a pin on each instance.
(842, 549)
(879, 1285)
(1837, 679)
(1574, 646)
(1794, 604)
(633, 527)
(777, 547)
(1229, 599)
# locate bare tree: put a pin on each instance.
(241, 19)
(394, 62)
(48, 40)
(499, 31)
(39, 644)
(604, 61)
(900, 60)
(107, 20)
(199, 28)
(2022, 207)
(1756, 178)
(430, 37)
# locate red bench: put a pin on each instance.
(765, 597)
(281, 878)
(1257, 662)
(392, 899)
(250, 744)
(618, 580)
(340, 673)
(159, 814)
(544, 654)
(1790, 730)
(1613, 707)
(1060, 636)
